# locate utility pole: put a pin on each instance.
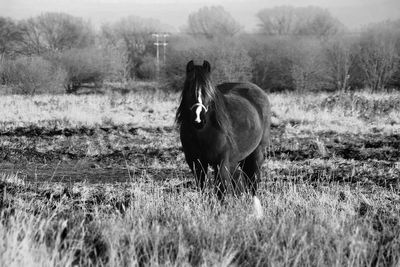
(165, 35)
(158, 43)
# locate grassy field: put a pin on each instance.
(101, 180)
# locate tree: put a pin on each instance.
(132, 37)
(287, 20)
(278, 20)
(55, 32)
(377, 55)
(321, 24)
(10, 35)
(211, 22)
(307, 68)
(272, 61)
(339, 60)
(395, 79)
(82, 66)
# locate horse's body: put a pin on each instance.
(228, 128)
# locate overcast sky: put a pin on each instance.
(353, 13)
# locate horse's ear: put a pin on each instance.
(190, 66)
(206, 66)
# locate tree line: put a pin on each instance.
(295, 49)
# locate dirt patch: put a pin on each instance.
(118, 154)
(332, 144)
(325, 171)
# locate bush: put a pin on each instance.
(288, 63)
(365, 105)
(229, 61)
(308, 69)
(83, 66)
(31, 75)
(232, 62)
(272, 60)
(147, 70)
(116, 64)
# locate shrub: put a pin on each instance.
(272, 61)
(308, 69)
(287, 63)
(117, 65)
(232, 62)
(132, 37)
(31, 75)
(147, 70)
(83, 66)
(365, 105)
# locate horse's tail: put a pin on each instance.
(258, 209)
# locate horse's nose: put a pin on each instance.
(199, 121)
(199, 125)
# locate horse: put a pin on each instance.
(226, 127)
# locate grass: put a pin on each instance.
(146, 110)
(330, 191)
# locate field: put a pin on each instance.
(101, 180)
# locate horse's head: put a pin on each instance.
(198, 92)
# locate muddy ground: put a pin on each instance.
(123, 153)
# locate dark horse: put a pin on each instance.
(225, 127)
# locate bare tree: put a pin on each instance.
(278, 20)
(320, 23)
(339, 60)
(131, 36)
(31, 38)
(55, 32)
(307, 65)
(212, 22)
(10, 35)
(377, 55)
(287, 20)
(132, 32)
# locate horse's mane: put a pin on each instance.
(215, 97)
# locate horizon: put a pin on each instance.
(354, 14)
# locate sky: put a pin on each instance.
(353, 13)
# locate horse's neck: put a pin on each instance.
(221, 113)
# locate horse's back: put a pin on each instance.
(255, 96)
(251, 92)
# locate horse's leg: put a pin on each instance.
(198, 168)
(252, 169)
(223, 177)
(236, 181)
(200, 172)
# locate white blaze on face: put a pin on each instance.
(199, 106)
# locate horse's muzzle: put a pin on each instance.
(199, 125)
(198, 115)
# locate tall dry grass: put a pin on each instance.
(304, 224)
